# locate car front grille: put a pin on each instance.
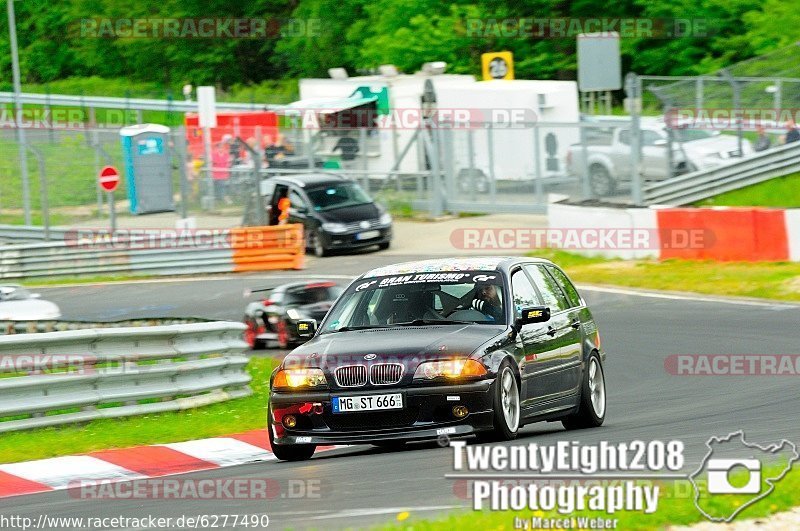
(372, 420)
(385, 373)
(351, 376)
(356, 225)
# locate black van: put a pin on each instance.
(337, 214)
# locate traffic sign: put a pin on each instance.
(497, 65)
(108, 178)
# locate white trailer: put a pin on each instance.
(514, 147)
(387, 141)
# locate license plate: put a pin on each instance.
(368, 235)
(348, 404)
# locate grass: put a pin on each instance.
(766, 280)
(95, 279)
(782, 192)
(675, 507)
(238, 415)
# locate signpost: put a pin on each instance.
(207, 119)
(108, 179)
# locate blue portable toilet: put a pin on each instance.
(148, 167)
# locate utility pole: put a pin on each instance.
(23, 152)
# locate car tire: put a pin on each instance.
(603, 185)
(288, 452)
(317, 246)
(251, 333)
(383, 246)
(592, 409)
(507, 410)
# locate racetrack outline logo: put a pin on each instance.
(704, 467)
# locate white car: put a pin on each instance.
(609, 153)
(19, 304)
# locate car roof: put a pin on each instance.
(309, 180)
(456, 263)
(312, 283)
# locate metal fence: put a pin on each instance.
(58, 378)
(483, 167)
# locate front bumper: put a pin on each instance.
(350, 240)
(426, 414)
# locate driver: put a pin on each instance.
(487, 301)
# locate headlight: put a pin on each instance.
(294, 314)
(299, 378)
(386, 219)
(334, 227)
(430, 370)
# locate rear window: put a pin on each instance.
(312, 295)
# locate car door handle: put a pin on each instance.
(575, 324)
(551, 331)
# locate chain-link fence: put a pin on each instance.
(482, 168)
(436, 168)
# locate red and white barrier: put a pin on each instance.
(137, 463)
(717, 233)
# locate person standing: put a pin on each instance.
(792, 134)
(763, 141)
(221, 170)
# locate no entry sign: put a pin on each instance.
(108, 178)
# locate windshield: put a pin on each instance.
(687, 135)
(420, 299)
(340, 195)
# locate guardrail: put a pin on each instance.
(33, 327)
(28, 233)
(695, 186)
(157, 252)
(118, 372)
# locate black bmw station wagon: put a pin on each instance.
(454, 347)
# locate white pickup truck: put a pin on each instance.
(609, 153)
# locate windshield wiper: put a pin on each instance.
(350, 328)
(420, 322)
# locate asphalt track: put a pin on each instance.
(363, 486)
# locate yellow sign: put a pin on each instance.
(534, 313)
(498, 65)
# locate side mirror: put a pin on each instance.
(533, 314)
(306, 328)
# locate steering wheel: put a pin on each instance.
(459, 306)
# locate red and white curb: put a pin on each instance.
(139, 462)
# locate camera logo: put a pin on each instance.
(721, 472)
(735, 474)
